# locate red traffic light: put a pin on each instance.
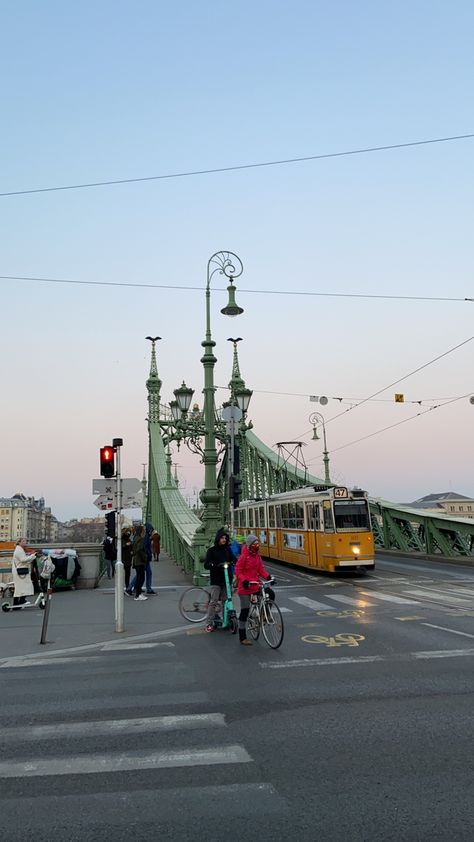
(107, 461)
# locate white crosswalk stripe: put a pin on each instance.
(439, 596)
(385, 597)
(310, 603)
(348, 600)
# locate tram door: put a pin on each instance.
(313, 526)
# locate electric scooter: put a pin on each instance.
(229, 614)
(40, 602)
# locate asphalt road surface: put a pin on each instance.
(359, 728)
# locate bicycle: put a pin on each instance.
(194, 606)
(265, 616)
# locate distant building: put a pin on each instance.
(447, 504)
(26, 517)
(86, 531)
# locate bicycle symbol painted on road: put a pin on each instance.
(339, 614)
(336, 640)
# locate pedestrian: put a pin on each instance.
(155, 545)
(139, 562)
(21, 572)
(249, 568)
(149, 556)
(219, 554)
(110, 553)
(127, 554)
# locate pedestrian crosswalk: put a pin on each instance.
(367, 598)
(74, 760)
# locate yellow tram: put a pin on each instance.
(317, 527)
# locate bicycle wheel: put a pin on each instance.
(272, 624)
(194, 604)
(253, 622)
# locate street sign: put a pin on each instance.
(109, 486)
(108, 502)
(105, 503)
(231, 413)
(399, 398)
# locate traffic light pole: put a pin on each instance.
(119, 568)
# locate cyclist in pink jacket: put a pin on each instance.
(249, 568)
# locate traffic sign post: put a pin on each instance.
(119, 568)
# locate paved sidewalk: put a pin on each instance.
(87, 617)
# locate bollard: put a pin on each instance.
(48, 596)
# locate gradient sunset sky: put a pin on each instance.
(119, 90)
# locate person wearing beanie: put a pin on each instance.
(249, 569)
(218, 555)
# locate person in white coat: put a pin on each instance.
(21, 572)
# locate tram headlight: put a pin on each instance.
(356, 550)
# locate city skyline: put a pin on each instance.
(160, 90)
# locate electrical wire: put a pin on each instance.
(256, 165)
(221, 289)
(391, 426)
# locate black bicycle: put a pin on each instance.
(265, 616)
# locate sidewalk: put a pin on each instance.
(87, 617)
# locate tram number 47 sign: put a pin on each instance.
(337, 640)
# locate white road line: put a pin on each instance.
(87, 647)
(124, 762)
(453, 631)
(348, 600)
(443, 653)
(285, 610)
(310, 603)
(120, 647)
(439, 596)
(110, 727)
(47, 662)
(366, 659)
(398, 600)
(460, 591)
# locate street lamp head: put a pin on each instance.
(175, 410)
(315, 434)
(232, 308)
(242, 397)
(184, 396)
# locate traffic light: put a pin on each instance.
(235, 491)
(107, 461)
(110, 525)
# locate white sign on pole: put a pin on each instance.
(109, 486)
(108, 502)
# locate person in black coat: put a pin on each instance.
(218, 555)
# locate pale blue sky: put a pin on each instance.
(97, 91)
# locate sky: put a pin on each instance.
(121, 90)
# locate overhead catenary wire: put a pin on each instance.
(391, 426)
(236, 167)
(395, 383)
(188, 288)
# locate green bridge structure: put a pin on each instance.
(236, 461)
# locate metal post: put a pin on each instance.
(119, 568)
(48, 597)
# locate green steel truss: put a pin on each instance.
(263, 472)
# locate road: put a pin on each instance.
(359, 728)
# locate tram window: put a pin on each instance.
(243, 517)
(261, 516)
(284, 514)
(351, 514)
(328, 520)
(271, 516)
(250, 517)
(312, 514)
(278, 516)
(299, 516)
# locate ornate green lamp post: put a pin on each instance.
(228, 264)
(316, 418)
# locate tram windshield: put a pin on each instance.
(351, 516)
